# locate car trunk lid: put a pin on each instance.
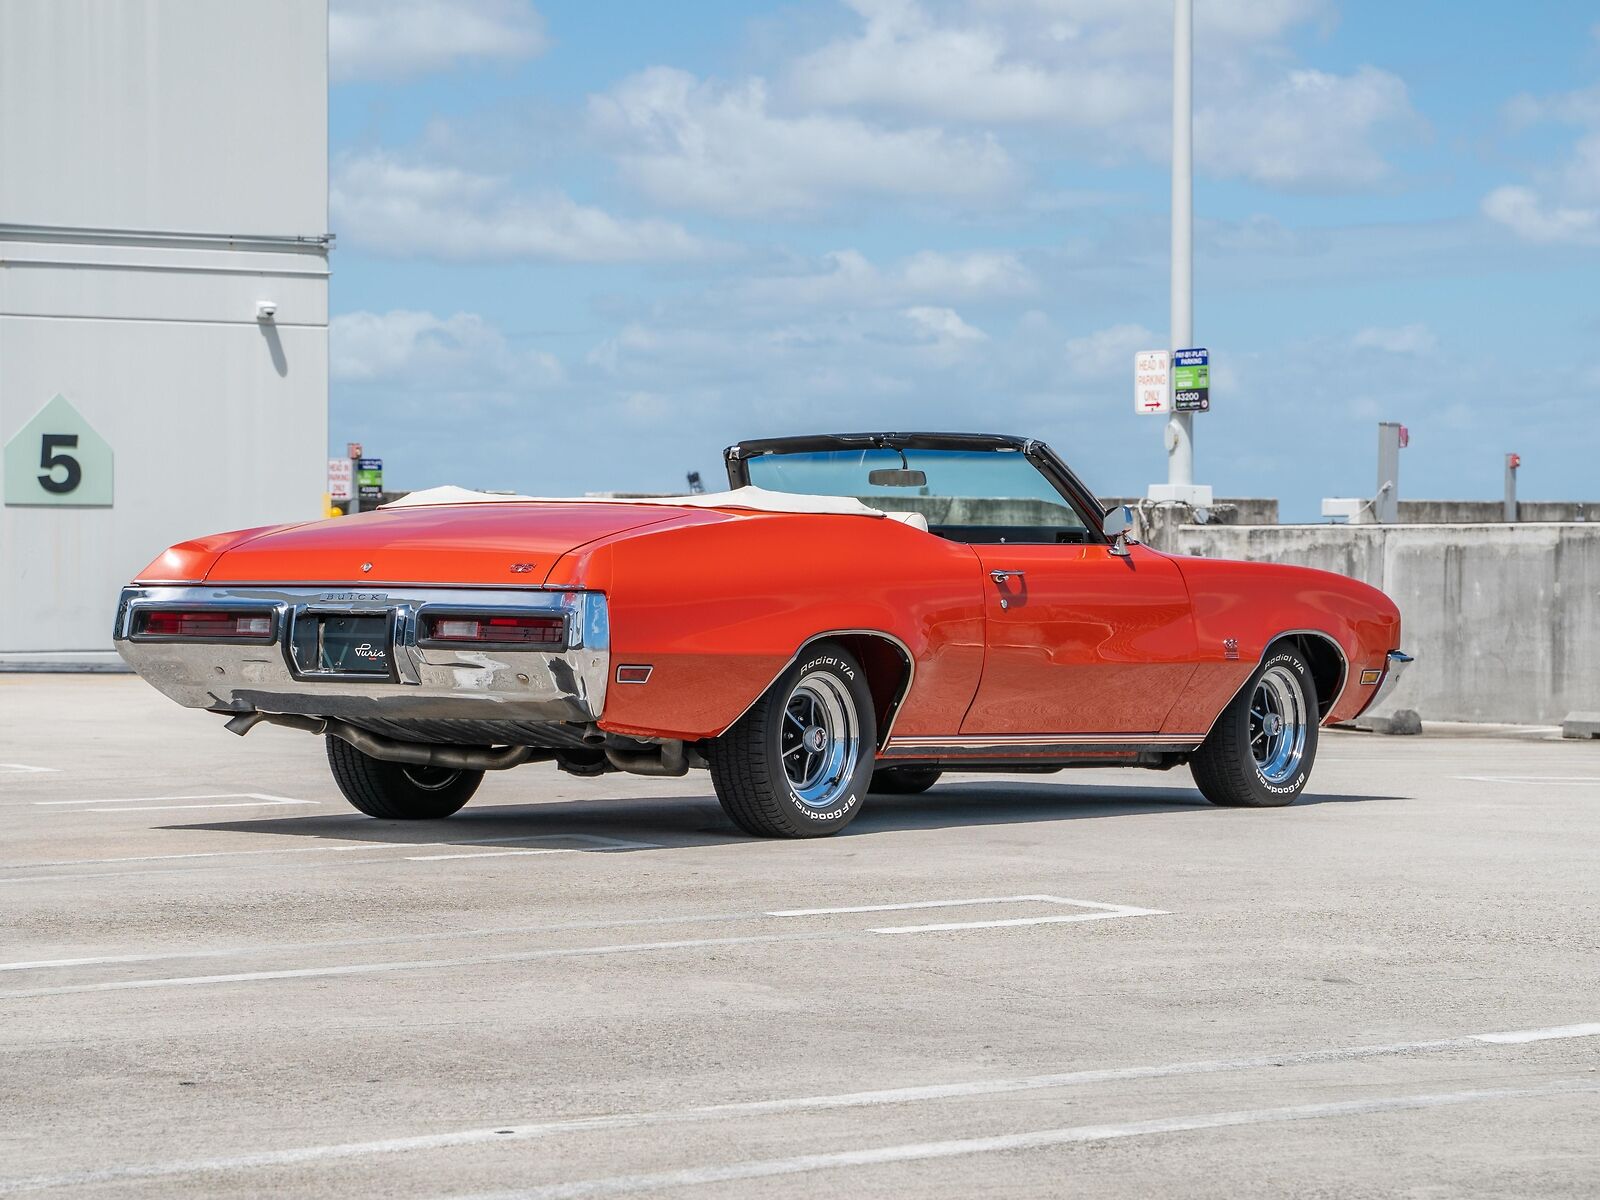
(502, 544)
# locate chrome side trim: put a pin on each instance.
(1344, 671)
(549, 683)
(1394, 667)
(1034, 745)
(1049, 739)
(894, 708)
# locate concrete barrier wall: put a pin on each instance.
(1504, 620)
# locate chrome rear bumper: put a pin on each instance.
(565, 683)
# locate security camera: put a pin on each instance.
(266, 310)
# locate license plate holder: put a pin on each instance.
(343, 645)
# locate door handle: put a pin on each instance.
(1002, 576)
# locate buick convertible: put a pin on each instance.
(856, 615)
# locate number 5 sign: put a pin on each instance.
(58, 458)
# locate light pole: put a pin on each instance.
(1179, 433)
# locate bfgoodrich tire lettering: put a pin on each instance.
(1262, 748)
(799, 763)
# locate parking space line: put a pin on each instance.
(1014, 922)
(426, 964)
(618, 1185)
(143, 803)
(300, 1155)
(611, 844)
(25, 769)
(1098, 912)
(600, 845)
(1571, 780)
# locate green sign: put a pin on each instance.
(58, 458)
(1191, 380)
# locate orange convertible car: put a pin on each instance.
(858, 614)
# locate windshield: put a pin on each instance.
(966, 495)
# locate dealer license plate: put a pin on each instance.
(335, 644)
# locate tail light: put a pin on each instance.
(484, 630)
(204, 624)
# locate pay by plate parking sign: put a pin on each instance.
(1191, 380)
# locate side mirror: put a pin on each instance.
(1117, 525)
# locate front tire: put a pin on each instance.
(799, 763)
(1261, 750)
(398, 791)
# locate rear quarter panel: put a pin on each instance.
(720, 607)
(1253, 604)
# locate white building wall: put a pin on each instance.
(163, 169)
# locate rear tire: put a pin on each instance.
(1261, 750)
(398, 791)
(799, 763)
(904, 781)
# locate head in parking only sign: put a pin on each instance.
(1152, 381)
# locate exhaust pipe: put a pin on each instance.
(459, 758)
(669, 759)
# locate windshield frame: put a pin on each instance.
(1045, 460)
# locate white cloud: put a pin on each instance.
(399, 39)
(1521, 210)
(1403, 339)
(1108, 353)
(847, 278)
(418, 350)
(1310, 130)
(703, 145)
(1101, 70)
(943, 330)
(408, 210)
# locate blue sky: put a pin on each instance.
(584, 246)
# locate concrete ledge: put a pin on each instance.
(1581, 725)
(58, 662)
(1402, 721)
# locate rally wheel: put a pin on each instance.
(799, 763)
(1260, 752)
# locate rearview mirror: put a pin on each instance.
(1119, 520)
(897, 477)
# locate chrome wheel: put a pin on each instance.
(821, 739)
(1278, 724)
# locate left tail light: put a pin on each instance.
(204, 624)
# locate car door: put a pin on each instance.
(1080, 640)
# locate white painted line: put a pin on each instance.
(1558, 1032)
(1570, 780)
(25, 769)
(596, 845)
(261, 796)
(299, 1155)
(396, 939)
(1100, 912)
(184, 808)
(375, 845)
(865, 908)
(1018, 921)
(427, 964)
(619, 1185)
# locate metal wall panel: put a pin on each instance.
(163, 169)
(184, 115)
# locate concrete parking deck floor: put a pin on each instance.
(217, 978)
